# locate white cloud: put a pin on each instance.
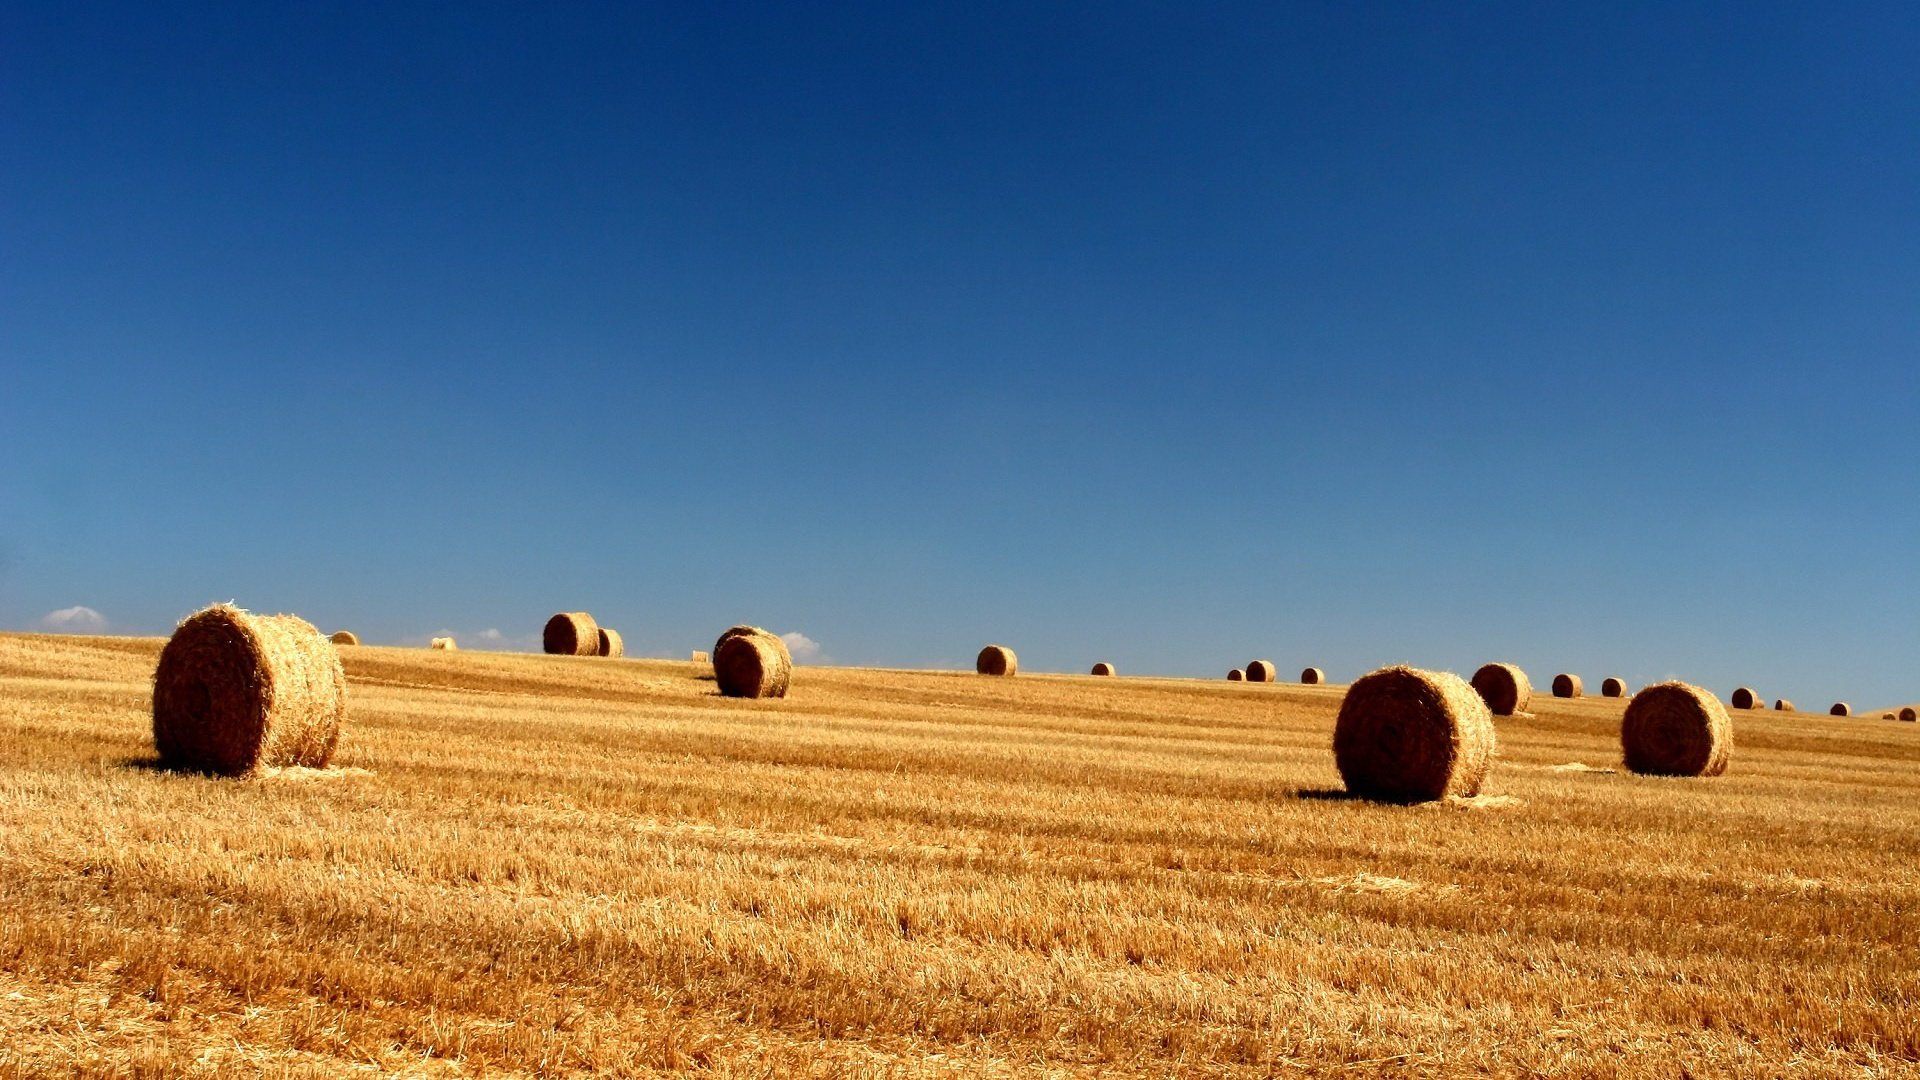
(77, 619)
(492, 634)
(801, 646)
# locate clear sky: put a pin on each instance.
(1586, 337)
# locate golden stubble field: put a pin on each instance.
(529, 865)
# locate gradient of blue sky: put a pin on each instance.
(1585, 338)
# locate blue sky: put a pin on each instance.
(1585, 339)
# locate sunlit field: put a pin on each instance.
(531, 865)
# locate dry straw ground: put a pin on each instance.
(530, 865)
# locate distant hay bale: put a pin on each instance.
(345, 637)
(1909, 715)
(1236, 675)
(444, 644)
(1504, 687)
(1103, 668)
(1613, 686)
(700, 656)
(753, 665)
(1405, 735)
(1840, 708)
(1261, 671)
(1674, 729)
(1783, 705)
(611, 643)
(996, 660)
(571, 633)
(1313, 676)
(1746, 698)
(1887, 716)
(1568, 685)
(236, 692)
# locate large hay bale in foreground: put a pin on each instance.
(571, 633)
(1783, 705)
(444, 644)
(234, 692)
(1103, 668)
(1675, 729)
(734, 631)
(755, 665)
(345, 637)
(1840, 708)
(611, 643)
(1568, 685)
(1909, 715)
(1261, 671)
(1745, 698)
(1613, 686)
(1504, 687)
(1406, 735)
(996, 660)
(1236, 675)
(1312, 676)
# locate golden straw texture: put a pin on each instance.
(1405, 735)
(996, 660)
(571, 633)
(1675, 729)
(1504, 687)
(234, 692)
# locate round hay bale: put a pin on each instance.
(701, 656)
(345, 637)
(611, 643)
(1783, 705)
(1674, 729)
(1504, 687)
(1886, 716)
(1744, 698)
(754, 665)
(1236, 675)
(996, 660)
(1909, 715)
(1568, 686)
(1840, 708)
(444, 644)
(1406, 735)
(1613, 686)
(234, 692)
(1103, 668)
(571, 633)
(734, 631)
(1312, 676)
(1261, 671)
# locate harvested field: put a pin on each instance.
(520, 866)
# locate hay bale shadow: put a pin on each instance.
(1329, 795)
